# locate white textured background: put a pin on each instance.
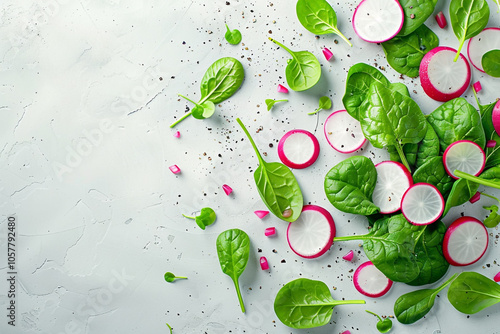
(99, 222)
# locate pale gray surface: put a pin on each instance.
(97, 229)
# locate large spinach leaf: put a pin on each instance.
(233, 249)
(409, 150)
(305, 303)
(349, 186)
(456, 120)
(277, 186)
(468, 18)
(318, 17)
(461, 192)
(428, 147)
(416, 12)
(405, 53)
(472, 292)
(433, 172)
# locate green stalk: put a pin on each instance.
(402, 156)
(170, 328)
(476, 179)
(186, 115)
(459, 49)
(446, 283)
(492, 197)
(188, 216)
(350, 238)
(379, 318)
(345, 302)
(237, 286)
(261, 161)
(342, 36)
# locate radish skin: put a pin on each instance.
(327, 53)
(477, 86)
(475, 198)
(298, 149)
(175, 169)
(282, 89)
(349, 256)
(261, 213)
(264, 265)
(495, 117)
(227, 189)
(465, 241)
(370, 281)
(270, 231)
(497, 277)
(441, 20)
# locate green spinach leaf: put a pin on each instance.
(305, 303)
(383, 325)
(433, 172)
(206, 217)
(233, 36)
(468, 18)
(349, 186)
(491, 63)
(492, 153)
(205, 110)
(416, 13)
(428, 147)
(325, 103)
(409, 150)
(461, 192)
(472, 292)
(277, 186)
(270, 103)
(302, 71)
(405, 53)
(233, 249)
(493, 218)
(170, 277)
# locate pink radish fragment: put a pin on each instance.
(441, 20)
(349, 256)
(327, 53)
(477, 86)
(465, 156)
(227, 189)
(343, 132)
(370, 281)
(465, 241)
(298, 149)
(495, 117)
(346, 332)
(491, 143)
(497, 277)
(270, 231)
(486, 40)
(377, 21)
(311, 235)
(177, 134)
(475, 198)
(422, 204)
(441, 78)
(261, 213)
(174, 169)
(393, 179)
(282, 89)
(264, 265)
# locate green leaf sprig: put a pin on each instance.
(325, 103)
(170, 277)
(233, 36)
(270, 103)
(383, 325)
(206, 217)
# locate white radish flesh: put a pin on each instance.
(377, 21)
(311, 235)
(486, 40)
(465, 156)
(298, 149)
(370, 281)
(343, 132)
(422, 204)
(465, 241)
(393, 179)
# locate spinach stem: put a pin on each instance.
(442, 286)
(276, 101)
(180, 277)
(476, 179)
(459, 49)
(186, 115)
(493, 197)
(170, 328)
(315, 111)
(350, 238)
(281, 45)
(261, 161)
(343, 37)
(380, 319)
(402, 156)
(345, 302)
(188, 216)
(237, 286)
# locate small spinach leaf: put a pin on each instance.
(325, 103)
(416, 13)
(170, 277)
(270, 103)
(206, 217)
(472, 292)
(461, 192)
(205, 110)
(384, 325)
(493, 218)
(233, 36)
(491, 63)
(433, 172)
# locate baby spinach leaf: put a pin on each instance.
(456, 120)
(472, 292)
(270, 103)
(302, 71)
(468, 18)
(277, 186)
(206, 217)
(428, 147)
(169, 277)
(384, 325)
(233, 36)
(491, 63)
(433, 172)
(416, 12)
(461, 192)
(409, 150)
(349, 186)
(205, 110)
(400, 88)
(405, 53)
(414, 305)
(324, 104)
(493, 218)
(233, 249)
(305, 303)
(318, 17)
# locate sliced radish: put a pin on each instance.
(422, 204)
(343, 132)
(465, 241)
(497, 277)
(477, 86)
(441, 78)
(264, 265)
(491, 143)
(370, 281)
(298, 149)
(349, 256)
(495, 117)
(377, 21)
(311, 235)
(465, 156)
(393, 179)
(441, 20)
(261, 213)
(475, 198)
(327, 53)
(486, 40)
(270, 231)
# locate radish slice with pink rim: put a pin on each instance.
(465, 241)
(465, 156)
(495, 117)
(486, 40)
(422, 204)
(343, 132)
(393, 179)
(370, 281)
(298, 149)
(441, 78)
(377, 21)
(311, 235)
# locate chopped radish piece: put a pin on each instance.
(264, 265)
(349, 256)
(327, 53)
(343, 132)
(298, 149)
(486, 40)
(370, 281)
(227, 189)
(174, 169)
(477, 86)
(261, 213)
(422, 204)
(465, 241)
(346, 332)
(311, 235)
(475, 198)
(393, 179)
(465, 156)
(495, 117)
(441, 78)
(491, 143)
(497, 277)
(441, 20)
(270, 231)
(377, 21)
(177, 134)
(282, 89)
